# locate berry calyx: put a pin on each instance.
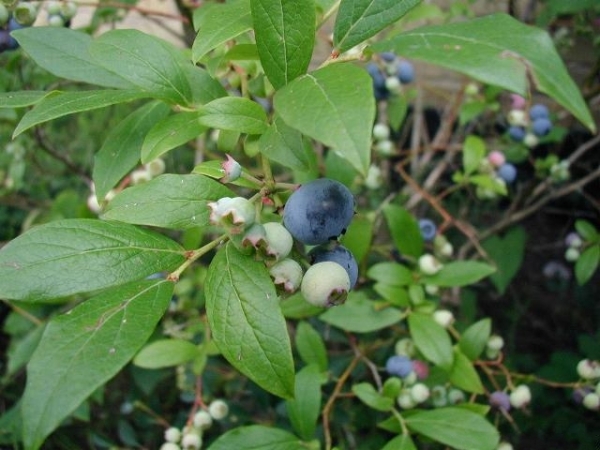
(325, 284)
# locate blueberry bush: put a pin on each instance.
(264, 240)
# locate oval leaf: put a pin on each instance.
(169, 201)
(310, 346)
(234, 113)
(284, 145)
(499, 50)
(42, 263)
(587, 264)
(474, 339)
(84, 348)
(457, 427)
(370, 397)
(246, 322)
(285, 37)
(391, 273)
(305, 408)
(463, 374)
(332, 105)
(404, 230)
(431, 339)
(460, 273)
(358, 20)
(166, 353)
(257, 437)
(21, 99)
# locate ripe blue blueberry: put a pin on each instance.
(428, 229)
(399, 366)
(388, 56)
(538, 111)
(319, 211)
(337, 253)
(500, 400)
(541, 126)
(507, 172)
(516, 133)
(406, 72)
(378, 78)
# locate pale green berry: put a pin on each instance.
(218, 409)
(53, 8)
(381, 131)
(495, 342)
(4, 15)
(456, 396)
(517, 117)
(504, 446)
(405, 347)
(56, 20)
(572, 254)
(202, 419)
(191, 441)
(374, 179)
(173, 434)
(410, 379)
(531, 140)
(419, 392)
(25, 13)
(170, 446)
(235, 213)
(287, 273)
(325, 284)
(429, 265)
(439, 396)
(155, 167)
(279, 240)
(140, 176)
(385, 147)
(443, 317)
(68, 10)
(521, 396)
(592, 401)
(432, 289)
(393, 84)
(588, 369)
(405, 400)
(472, 89)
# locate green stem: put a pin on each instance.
(195, 254)
(329, 13)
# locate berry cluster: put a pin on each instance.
(60, 13)
(190, 436)
(588, 394)
(519, 397)
(574, 244)
(13, 17)
(528, 126)
(389, 73)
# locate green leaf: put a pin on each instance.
(147, 62)
(204, 87)
(81, 255)
(310, 346)
(404, 230)
(234, 113)
(456, 427)
(169, 201)
(166, 353)
(357, 237)
(498, 50)
(586, 230)
(463, 374)
(257, 437)
(474, 339)
(361, 315)
(219, 23)
(284, 145)
(59, 104)
(305, 408)
(169, 133)
(358, 20)
(83, 349)
(395, 295)
(21, 99)
(246, 323)
(120, 152)
(391, 273)
(507, 252)
(431, 339)
(214, 170)
(285, 37)
(64, 52)
(401, 442)
(333, 106)
(370, 397)
(473, 153)
(295, 307)
(460, 273)
(587, 264)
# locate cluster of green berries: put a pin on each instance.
(13, 16)
(60, 13)
(528, 126)
(406, 380)
(574, 245)
(588, 394)
(190, 436)
(315, 215)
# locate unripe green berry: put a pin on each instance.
(4, 15)
(419, 392)
(218, 409)
(530, 140)
(393, 84)
(279, 240)
(155, 167)
(495, 342)
(25, 13)
(517, 117)
(287, 273)
(172, 434)
(68, 10)
(405, 400)
(456, 396)
(385, 147)
(443, 317)
(373, 180)
(191, 441)
(592, 401)
(236, 214)
(504, 446)
(429, 265)
(170, 446)
(56, 20)
(381, 131)
(520, 397)
(325, 284)
(53, 7)
(572, 254)
(405, 347)
(439, 396)
(140, 176)
(202, 419)
(588, 369)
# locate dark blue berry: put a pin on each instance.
(541, 126)
(406, 72)
(337, 253)
(507, 172)
(319, 211)
(428, 229)
(516, 133)
(399, 366)
(538, 111)
(388, 56)
(379, 89)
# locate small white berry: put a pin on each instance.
(456, 396)
(373, 180)
(381, 131)
(419, 392)
(385, 147)
(170, 446)
(405, 347)
(432, 289)
(443, 317)
(429, 265)
(439, 396)
(495, 342)
(155, 167)
(172, 434)
(520, 397)
(218, 409)
(393, 84)
(572, 254)
(530, 140)
(202, 420)
(517, 117)
(573, 240)
(592, 401)
(405, 400)
(588, 369)
(140, 176)
(191, 441)
(504, 446)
